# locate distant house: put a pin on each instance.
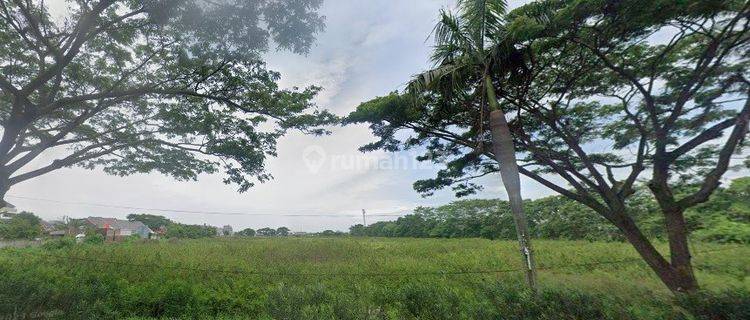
(119, 228)
(58, 233)
(160, 232)
(48, 226)
(8, 211)
(55, 228)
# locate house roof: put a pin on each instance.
(8, 208)
(117, 223)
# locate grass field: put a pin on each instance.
(357, 278)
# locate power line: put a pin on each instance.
(389, 214)
(349, 274)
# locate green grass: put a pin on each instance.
(356, 278)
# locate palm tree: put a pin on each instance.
(471, 55)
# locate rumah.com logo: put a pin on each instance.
(316, 159)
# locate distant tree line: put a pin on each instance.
(264, 232)
(179, 230)
(724, 218)
(174, 229)
(283, 232)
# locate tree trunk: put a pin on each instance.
(672, 275)
(4, 187)
(682, 278)
(679, 250)
(505, 154)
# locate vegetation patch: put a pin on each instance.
(360, 278)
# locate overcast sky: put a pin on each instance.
(369, 48)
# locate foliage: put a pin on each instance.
(732, 304)
(62, 243)
(226, 230)
(331, 233)
(178, 230)
(174, 229)
(24, 225)
(247, 232)
(150, 220)
(282, 231)
(176, 87)
(266, 232)
(37, 280)
(190, 231)
(723, 219)
(725, 231)
(94, 239)
(552, 217)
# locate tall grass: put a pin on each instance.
(358, 278)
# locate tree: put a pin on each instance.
(247, 232)
(282, 231)
(613, 92)
(227, 230)
(189, 231)
(725, 217)
(331, 233)
(24, 225)
(266, 232)
(176, 87)
(357, 230)
(150, 220)
(469, 53)
(490, 219)
(413, 225)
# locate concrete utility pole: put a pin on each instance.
(364, 220)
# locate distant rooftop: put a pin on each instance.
(114, 223)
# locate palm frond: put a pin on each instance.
(446, 53)
(481, 17)
(450, 31)
(427, 80)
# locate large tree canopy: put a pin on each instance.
(609, 92)
(175, 86)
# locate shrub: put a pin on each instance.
(66, 242)
(727, 305)
(94, 239)
(724, 230)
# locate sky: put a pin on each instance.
(369, 48)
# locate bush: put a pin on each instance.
(727, 305)
(170, 299)
(515, 302)
(94, 239)
(62, 243)
(132, 239)
(725, 231)
(24, 225)
(430, 301)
